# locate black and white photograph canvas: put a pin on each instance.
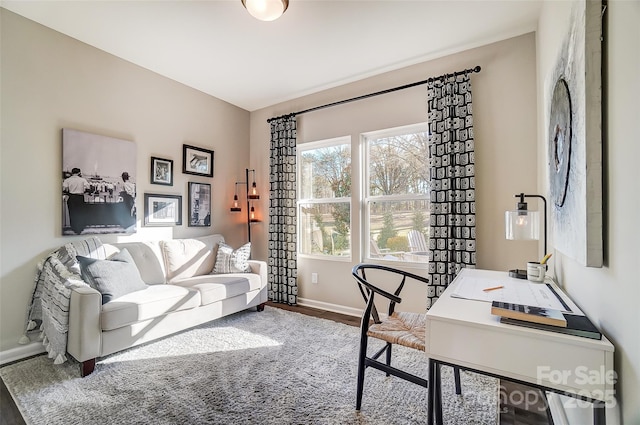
(98, 184)
(199, 204)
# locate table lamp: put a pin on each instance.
(523, 224)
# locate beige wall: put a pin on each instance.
(609, 295)
(50, 81)
(504, 100)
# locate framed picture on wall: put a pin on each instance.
(199, 204)
(162, 210)
(98, 184)
(161, 171)
(574, 139)
(197, 161)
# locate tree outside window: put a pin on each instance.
(395, 173)
(397, 193)
(324, 199)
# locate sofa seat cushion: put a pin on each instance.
(214, 288)
(154, 301)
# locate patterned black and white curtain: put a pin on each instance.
(283, 269)
(452, 229)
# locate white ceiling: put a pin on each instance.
(215, 46)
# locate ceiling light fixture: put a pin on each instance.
(266, 10)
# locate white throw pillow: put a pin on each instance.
(229, 260)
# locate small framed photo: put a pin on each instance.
(161, 171)
(198, 161)
(199, 204)
(162, 210)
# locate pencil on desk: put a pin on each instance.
(493, 288)
(545, 259)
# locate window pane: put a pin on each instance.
(398, 165)
(399, 230)
(325, 229)
(325, 172)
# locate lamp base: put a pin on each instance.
(518, 273)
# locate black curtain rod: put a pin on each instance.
(353, 99)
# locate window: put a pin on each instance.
(324, 198)
(396, 194)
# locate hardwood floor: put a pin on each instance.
(336, 317)
(512, 411)
(9, 413)
(522, 405)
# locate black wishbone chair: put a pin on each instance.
(403, 328)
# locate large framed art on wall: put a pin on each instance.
(98, 184)
(574, 138)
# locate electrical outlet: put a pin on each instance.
(314, 277)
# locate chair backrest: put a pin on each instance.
(386, 275)
(316, 241)
(417, 243)
(375, 250)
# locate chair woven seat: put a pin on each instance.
(401, 328)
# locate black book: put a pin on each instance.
(576, 325)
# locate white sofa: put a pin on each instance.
(182, 292)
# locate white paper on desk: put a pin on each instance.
(515, 291)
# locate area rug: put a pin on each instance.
(270, 367)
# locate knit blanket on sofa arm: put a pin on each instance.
(48, 310)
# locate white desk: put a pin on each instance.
(464, 333)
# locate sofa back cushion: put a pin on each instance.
(185, 258)
(147, 256)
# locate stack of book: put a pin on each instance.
(545, 319)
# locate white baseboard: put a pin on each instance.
(21, 352)
(349, 311)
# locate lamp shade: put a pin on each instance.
(266, 10)
(522, 225)
(253, 192)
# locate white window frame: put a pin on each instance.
(301, 148)
(366, 199)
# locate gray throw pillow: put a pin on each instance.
(114, 277)
(229, 260)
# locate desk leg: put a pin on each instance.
(438, 395)
(431, 391)
(599, 417)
